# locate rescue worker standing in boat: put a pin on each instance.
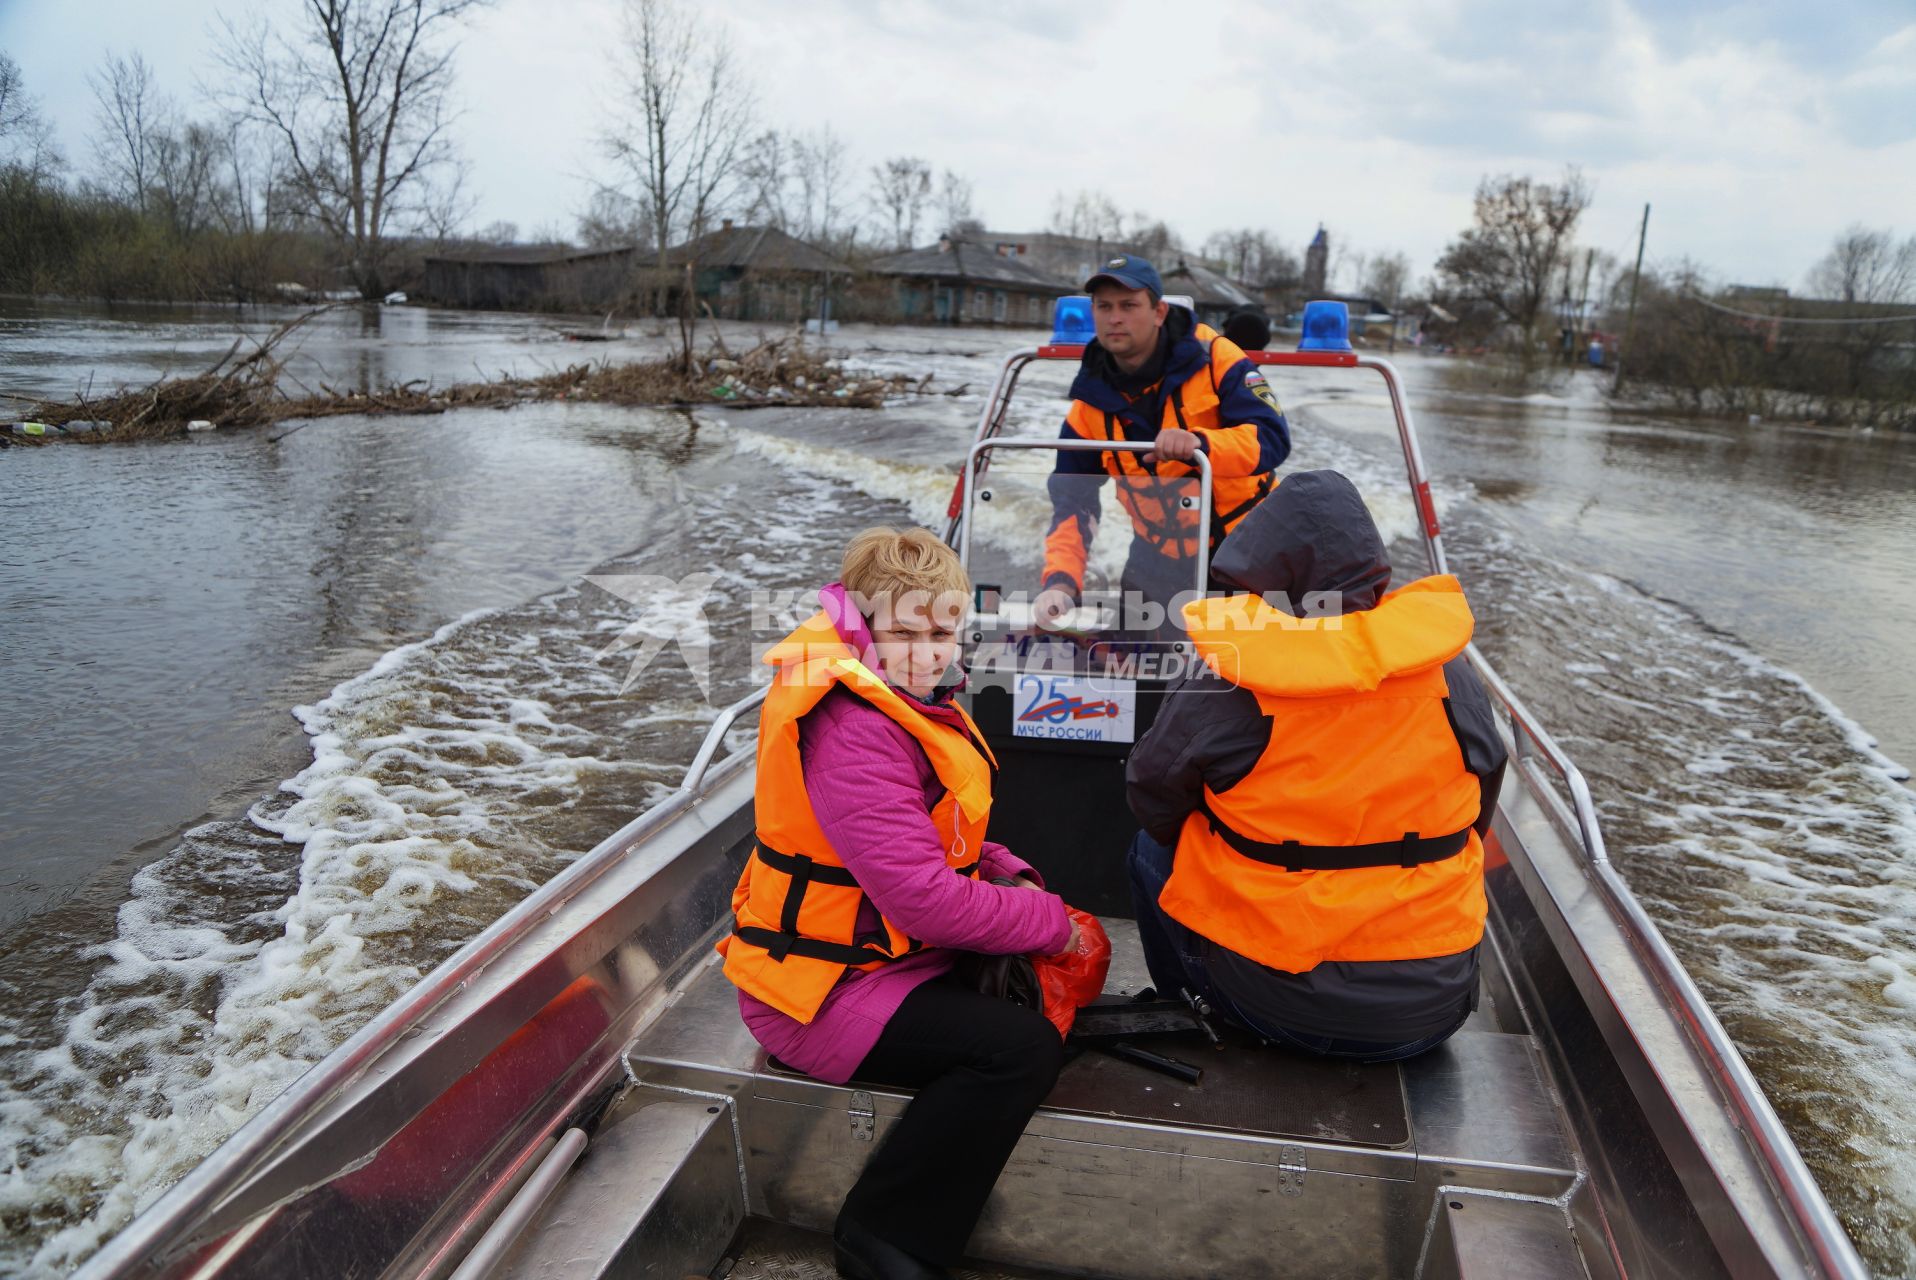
(1155, 374)
(870, 872)
(1313, 799)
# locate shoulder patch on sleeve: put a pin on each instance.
(1262, 390)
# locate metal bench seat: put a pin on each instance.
(1334, 1169)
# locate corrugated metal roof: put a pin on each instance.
(959, 259)
(756, 248)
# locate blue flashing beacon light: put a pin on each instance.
(1071, 321)
(1327, 327)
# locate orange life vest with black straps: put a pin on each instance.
(1352, 836)
(1154, 495)
(796, 907)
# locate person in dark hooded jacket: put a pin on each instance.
(1313, 800)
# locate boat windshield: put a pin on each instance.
(1059, 547)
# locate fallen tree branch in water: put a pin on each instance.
(777, 373)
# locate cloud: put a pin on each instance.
(1875, 103)
(1758, 129)
(1750, 151)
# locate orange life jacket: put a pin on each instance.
(795, 909)
(1153, 496)
(1351, 838)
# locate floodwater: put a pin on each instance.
(54, 349)
(290, 716)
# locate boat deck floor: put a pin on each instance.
(1320, 1098)
(773, 1251)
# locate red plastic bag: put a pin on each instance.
(1072, 979)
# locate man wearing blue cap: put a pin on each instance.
(1155, 374)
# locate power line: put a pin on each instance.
(1776, 319)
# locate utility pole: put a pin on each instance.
(1583, 309)
(1630, 325)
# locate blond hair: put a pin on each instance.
(883, 567)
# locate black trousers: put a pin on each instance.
(981, 1066)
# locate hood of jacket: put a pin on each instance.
(1317, 616)
(1245, 640)
(1312, 535)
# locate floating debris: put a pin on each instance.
(246, 392)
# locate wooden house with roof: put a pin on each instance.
(539, 277)
(963, 281)
(755, 273)
(1213, 296)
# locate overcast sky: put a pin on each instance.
(1756, 130)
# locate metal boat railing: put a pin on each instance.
(715, 738)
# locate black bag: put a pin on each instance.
(1003, 977)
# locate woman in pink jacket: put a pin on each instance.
(981, 1065)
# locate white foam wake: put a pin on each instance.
(422, 767)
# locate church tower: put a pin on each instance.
(1316, 262)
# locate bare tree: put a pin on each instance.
(613, 220)
(245, 193)
(901, 188)
(1866, 265)
(680, 128)
(129, 112)
(1344, 260)
(765, 173)
(820, 165)
(358, 102)
(795, 182)
(1235, 252)
(1152, 237)
(1278, 268)
(1086, 215)
(152, 160)
(187, 159)
(954, 203)
(1508, 258)
(26, 143)
(1253, 257)
(1386, 277)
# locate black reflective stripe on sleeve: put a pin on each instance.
(1410, 850)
